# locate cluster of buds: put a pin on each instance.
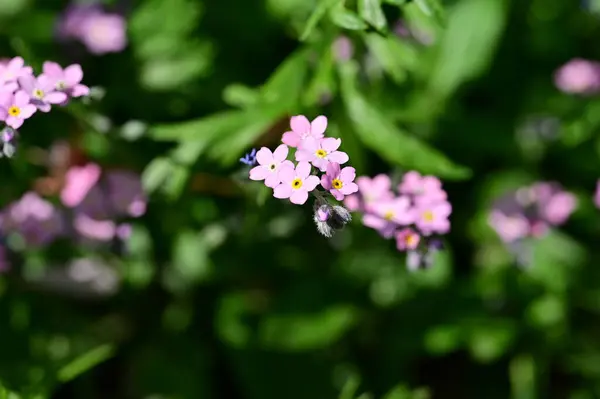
(22, 94)
(317, 161)
(416, 214)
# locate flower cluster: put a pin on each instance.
(415, 215)
(530, 211)
(100, 32)
(314, 154)
(22, 93)
(97, 207)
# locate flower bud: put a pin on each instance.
(330, 218)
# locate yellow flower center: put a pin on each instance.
(427, 216)
(388, 215)
(14, 111)
(60, 85)
(321, 153)
(411, 240)
(296, 184)
(337, 184)
(39, 94)
(272, 166)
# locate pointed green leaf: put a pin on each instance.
(391, 143)
(346, 19)
(156, 173)
(322, 7)
(395, 56)
(85, 362)
(370, 11)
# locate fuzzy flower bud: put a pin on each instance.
(330, 219)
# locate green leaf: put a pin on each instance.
(391, 143)
(399, 392)
(86, 362)
(346, 19)
(395, 56)
(468, 44)
(238, 95)
(285, 86)
(431, 8)
(323, 81)
(307, 332)
(370, 11)
(319, 12)
(490, 340)
(207, 128)
(156, 173)
(190, 257)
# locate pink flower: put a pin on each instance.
(597, 194)
(67, 80)
(389, 215)
(425, 188)
(370, 191)
(558, 208)
(509, 228)
(407, 239)
(14, 109)
(433, 217)
(79, 180)
(578, 76)
(13, 70)
(269, 165)
(98, 230)
(104, 33)
(320, 152)
(42, 91)
(296, 183)
(339, 182)
(302, 129)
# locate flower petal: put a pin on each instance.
(52, 70)
(264, 156)
(55, 97)
(27, 83)
(13, 122)
(280, 153)
(349, 188)
(347, 174)
(272, 180)
(44, 107)
(303, 155)
(310, 144)
(338, 157)
(73, 75)
(80, 90)
(3, 114)
(299, 197)
(300, 124)
(291, 139)
(282, 191)
(303, 170)
(318, 126)
(258, 173)
(21, 99)
(326, 182)
(27, 111)
(330, 144)
(337, 195)
(286, 172)
(311, 183)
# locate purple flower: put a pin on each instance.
(250, 158)
(433, 217)
(104, 33)
(42, 91)
(93, 229)
(302, 129)
(14, 109)
(72, 22)
(388, 215)
(407, 239)
(67, 80)
(296, 183)
(320, 152)
(79, 180)
(509, 228)
(37, 220)
(269, 165)
(339, 182)
(370, 191)
(578, 76)
(125, 193)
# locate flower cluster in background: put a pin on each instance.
(96, 208)
(22, 93)
(99, 31)
(578, 76)
(415, 214)
(530, 212)
(314, 154)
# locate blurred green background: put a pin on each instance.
(225, 292)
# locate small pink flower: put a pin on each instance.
(370, 191)
(296, 183)
(14, 70)
(104, 33)
(14, 109)
(320, 152)
(67, 80)
(407, 239)
(388, 215)
(302, 129)
(98, 230)
(433, 218)
(425, 188)
(578, 76)
(558, 208)
(269, 165)
(509, 228)
(79, 180)
(339, 182)
(42, 91)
